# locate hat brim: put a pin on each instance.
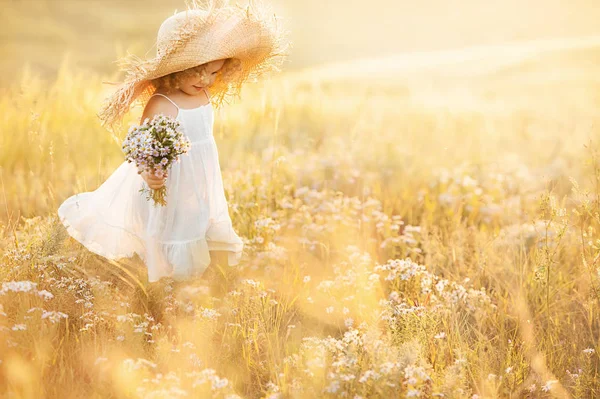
(252, 34)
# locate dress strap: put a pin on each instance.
(206, 92)
(172, 102)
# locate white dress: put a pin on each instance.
(116, 221)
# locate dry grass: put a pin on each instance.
(422, 236)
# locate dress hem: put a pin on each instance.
(169, 249)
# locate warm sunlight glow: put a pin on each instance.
(417, 193)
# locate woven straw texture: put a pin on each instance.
(203, 33)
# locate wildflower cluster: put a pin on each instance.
(153, 146)
(151, 383)
(24, 286)
(409, 280)
(485, 196)
(361, 363)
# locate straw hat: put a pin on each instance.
(198, 35)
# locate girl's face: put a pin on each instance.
(193, 85)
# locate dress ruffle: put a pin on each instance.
(116, 220)
(116, 224)
(116, 242)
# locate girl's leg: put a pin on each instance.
(217, 273)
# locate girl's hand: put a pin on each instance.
(154, 182)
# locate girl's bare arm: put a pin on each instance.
(156, 105)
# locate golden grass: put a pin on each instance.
(419, 235)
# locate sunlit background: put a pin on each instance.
(418, 193)
(95, 32)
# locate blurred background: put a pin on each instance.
(501, 78)
(95, 32)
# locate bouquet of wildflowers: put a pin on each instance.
(153, 146)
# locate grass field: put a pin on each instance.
(430, 231)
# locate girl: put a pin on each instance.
(204, 55)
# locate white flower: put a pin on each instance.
(53, 316)
(441, 335)
(46, 294)
(218, 383)
(210, 314)
(17, 327)
(333, 387)
(589, 351)
(252, 283)
(548, 386)
(18, 286)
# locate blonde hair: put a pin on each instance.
(251, 34)
(172, 81)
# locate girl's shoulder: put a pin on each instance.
(158, 104)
